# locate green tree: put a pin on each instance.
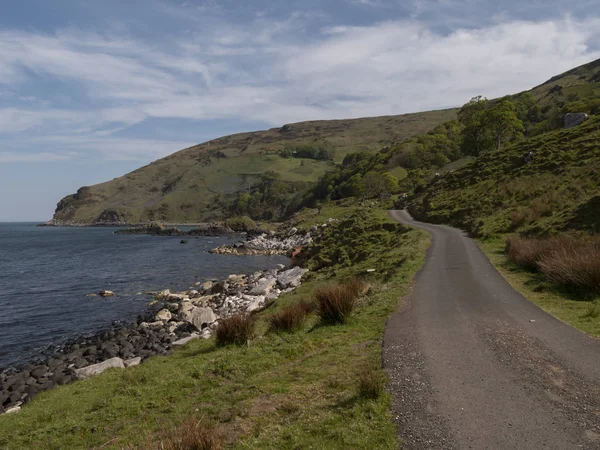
(503, 123)
(473, 118)
(390, 183)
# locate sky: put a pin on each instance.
(91, 90)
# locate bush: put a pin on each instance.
(335, 303)
(371, 382)
(241, 223)
(236, 330)
(291, 318)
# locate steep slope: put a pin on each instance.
(559, 189)
(187, 186)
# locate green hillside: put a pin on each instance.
(192, 185)
(500, 192)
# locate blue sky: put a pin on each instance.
(90, 90)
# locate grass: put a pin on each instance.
(563, 304)
(335, 303)
(283, 391)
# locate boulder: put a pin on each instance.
(185, 308)
(106, 293)
(164, 315)
(255, 302)
(205, 287)
(39, 372)
(132, 362)
(574, 119)
(96, 369)
(263, 286)
(201, 317)
(291, 278)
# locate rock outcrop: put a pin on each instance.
(574, 119)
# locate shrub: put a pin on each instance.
(371, 382)
(236, 330)
(241, 223)
(335, 302)
(289, 319)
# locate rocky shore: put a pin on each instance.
(174, 320)
(205, 229)
(272, 243)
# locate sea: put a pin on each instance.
(47, 274)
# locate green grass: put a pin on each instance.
(283, 391)
(563, 305)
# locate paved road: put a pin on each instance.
(474, 365)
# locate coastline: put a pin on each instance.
(171, 320)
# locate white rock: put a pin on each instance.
(96, 369)
(264, 286)
(193, 293)
(200, 317)
(291, 278)
(176, 297)
(254, 302)
(132, 362)
(184, 341)
(105, 293)
(164, 315)
(13, 409)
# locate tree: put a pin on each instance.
(503, 123)
(373, 185)
(353, 187)
(390, 183)
(473, 118)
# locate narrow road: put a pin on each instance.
(475, 365)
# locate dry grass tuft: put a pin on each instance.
(564, 260)
(237, 330)
(335, 303)
(371, 382)
(291, 318)
(189, 435)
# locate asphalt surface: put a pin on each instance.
(475, 365)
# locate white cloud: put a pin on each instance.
(11, 157)
(272, 71)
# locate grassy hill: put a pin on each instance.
(499, 192)
(189, 185)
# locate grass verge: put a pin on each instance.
(561, 303)
(284, 390)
